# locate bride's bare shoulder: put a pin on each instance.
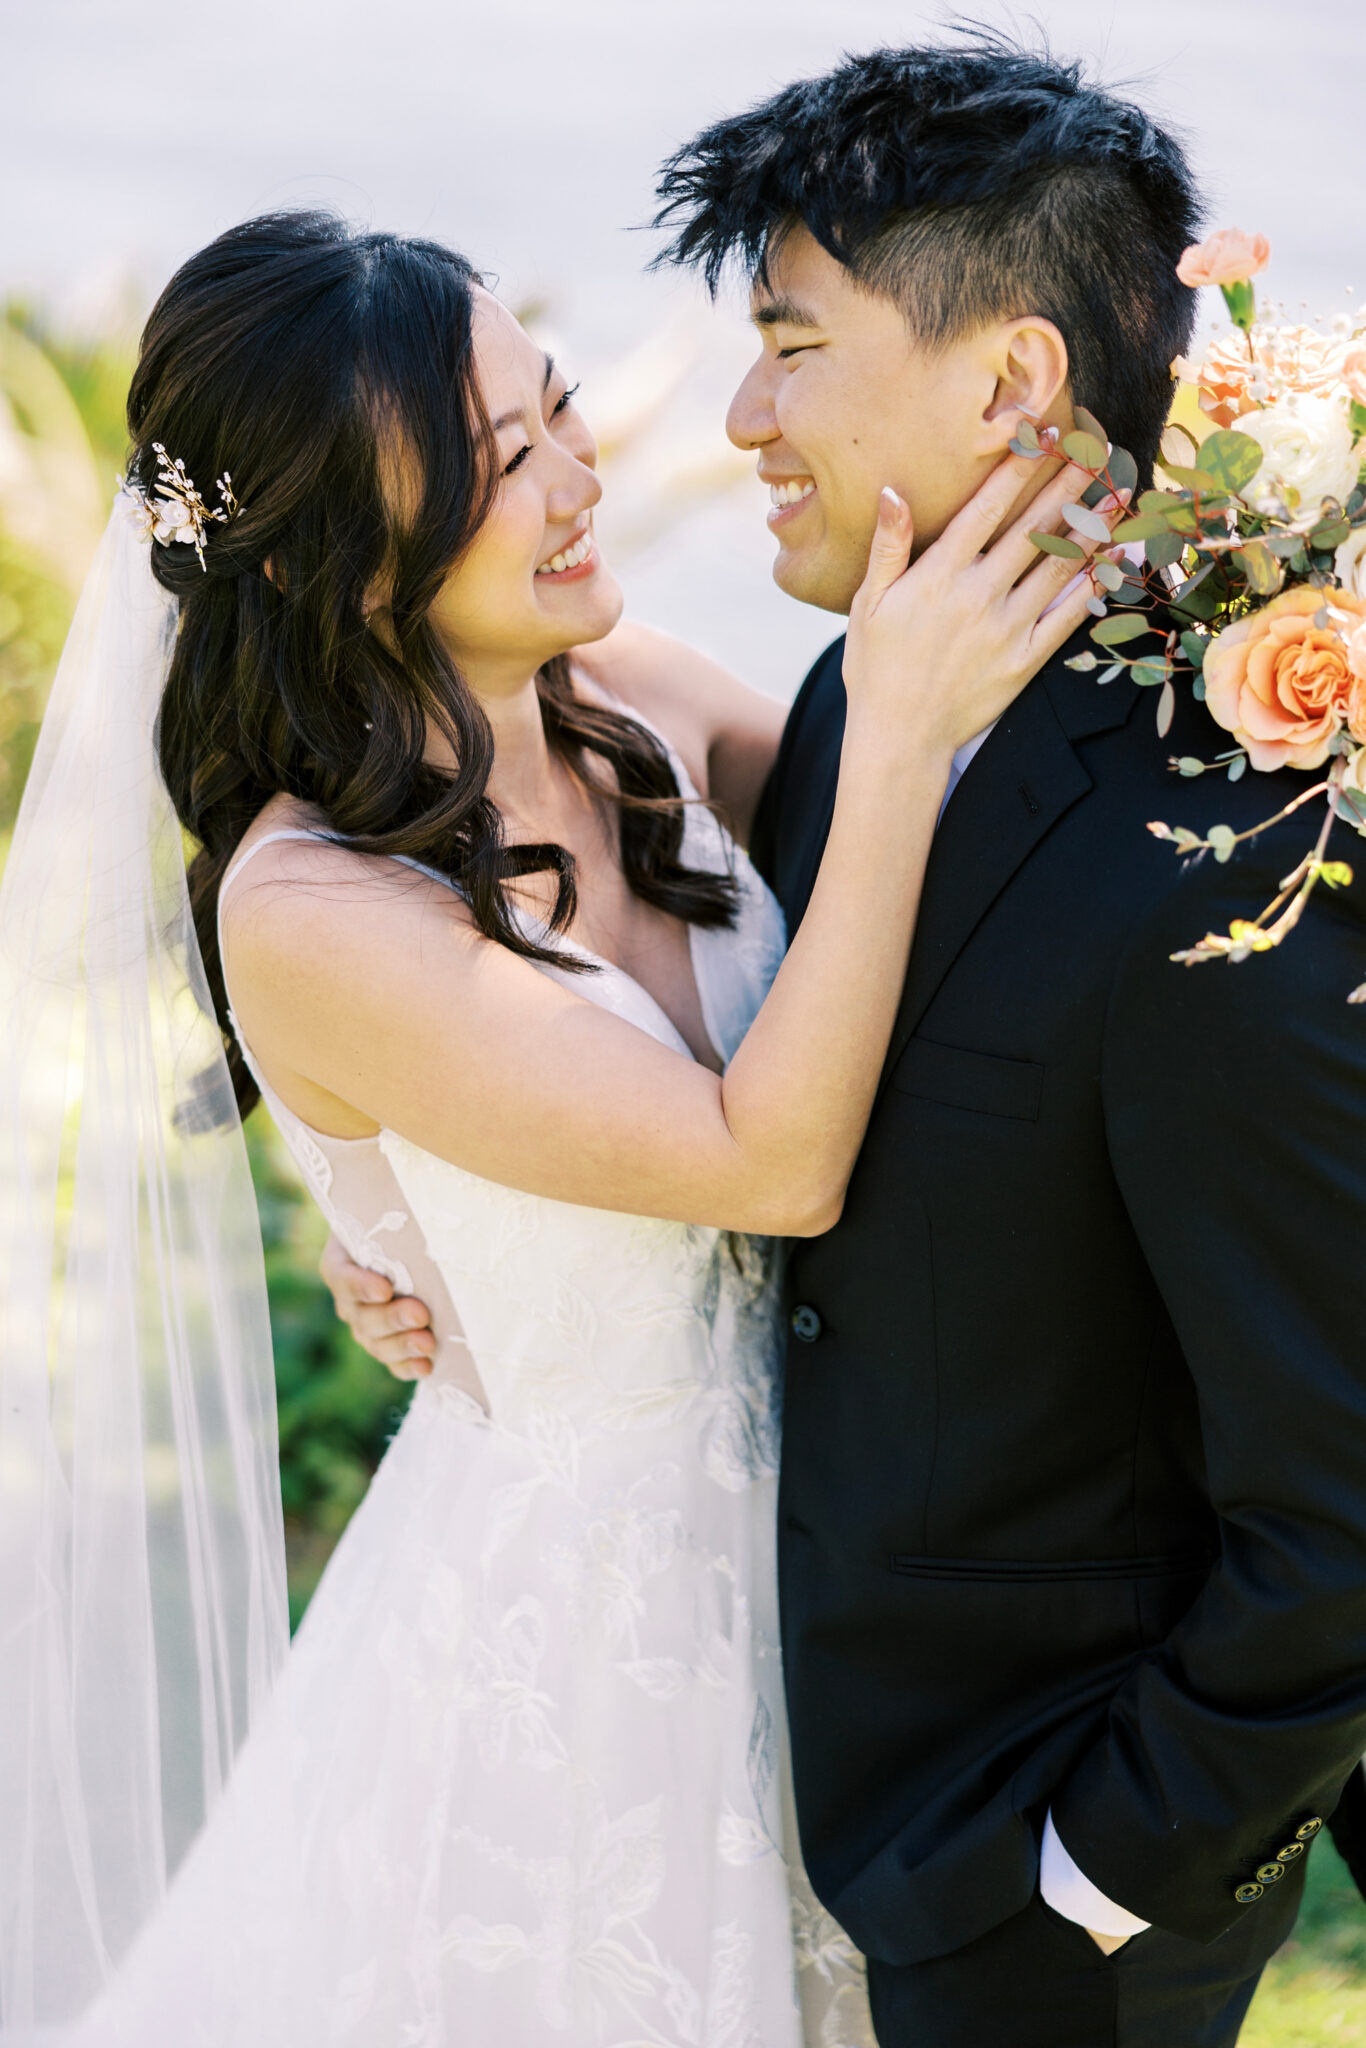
(290, 889)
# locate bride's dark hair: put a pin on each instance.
(293, 352)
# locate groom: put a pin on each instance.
(1073, 1515)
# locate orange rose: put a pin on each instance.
(1282, 685)
(1230, 257)
(1356, 694)
(1277, 359)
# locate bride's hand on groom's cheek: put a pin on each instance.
(396, 1332)
(941, 644)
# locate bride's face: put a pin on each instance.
(507, 607)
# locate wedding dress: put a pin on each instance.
(525, 1779)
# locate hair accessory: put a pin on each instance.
(177, 512)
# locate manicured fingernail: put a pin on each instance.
(888, 506)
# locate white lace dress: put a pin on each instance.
(526, 1779)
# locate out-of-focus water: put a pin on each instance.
(527, 134)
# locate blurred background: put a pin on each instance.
(527, 135)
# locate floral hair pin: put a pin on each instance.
(177, 512)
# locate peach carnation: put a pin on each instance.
(1282, 685)
(1275, 361)
(1353, 372)
(1230, 257)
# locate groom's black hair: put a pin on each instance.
(971, 182)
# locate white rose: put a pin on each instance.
(1349, 563)
(1310, 454)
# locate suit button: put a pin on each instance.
(1246, 1893)
(1290, 1852)
(1309, 1830)
(1271, 1873)
(806, 1323)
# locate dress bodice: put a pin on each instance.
(542, 1305)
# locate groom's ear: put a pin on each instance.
(1028, 361)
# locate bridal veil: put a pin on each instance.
(143, 1615)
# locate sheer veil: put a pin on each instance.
(143, 1615)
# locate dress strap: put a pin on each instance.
(266, 839)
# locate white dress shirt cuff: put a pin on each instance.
(1069, 1892)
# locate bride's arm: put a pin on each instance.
(726, 732)
(384, 1001)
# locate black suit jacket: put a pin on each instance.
(1073, 1507)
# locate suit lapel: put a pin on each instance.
(1025, 778)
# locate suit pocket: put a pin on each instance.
(1032, 1572)
(970, 1080)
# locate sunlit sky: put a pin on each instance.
(527, 133)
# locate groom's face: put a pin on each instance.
(842, 400)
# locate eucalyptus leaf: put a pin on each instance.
(1192, 479)
(1164, 549)
(1157, 501)
(1329, 534)
(1058, 544)
(1237, 769)
(1192, 583)
(1083, 520)
(1083, 661)
(1222, 840)
(1086, 450)
(1096, 606)
(1336, 874)
(1198, 692)
(1144, 527)
(1193, 647)
(1185, 838)
(1121, 626)
(1123, 470)
(1017, 447)
(1263, 572)
(1166, 709)
(1285, 545)
(1151, 671)
(1116, 668)
(1189, 766)
(1109, 575)
(1200, 604)
(1089, 424)
(1231, 458)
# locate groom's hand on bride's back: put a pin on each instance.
(395, 1331)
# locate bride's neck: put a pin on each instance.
(524, 780)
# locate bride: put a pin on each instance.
(475, 922)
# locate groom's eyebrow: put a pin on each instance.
(782, 313)
(510, 419)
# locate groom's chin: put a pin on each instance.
(810, 577)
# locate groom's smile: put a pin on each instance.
(844, 398)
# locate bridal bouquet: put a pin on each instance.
(1255, 552)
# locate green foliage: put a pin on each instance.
(35, 611)
(1120, 626)
(35, 603)
(1058, 544)
(95, 371)
(337, 1407)
(1314, 1992)
(1231, 458)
